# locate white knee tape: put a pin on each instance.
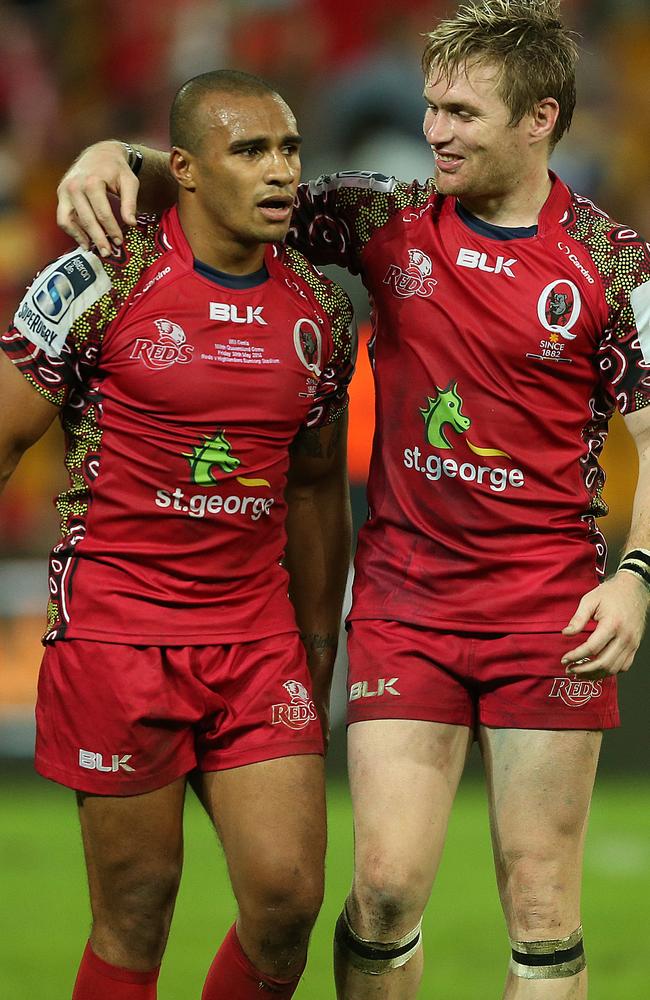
(555, 959)
(376, 957)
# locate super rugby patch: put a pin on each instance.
(58, 296)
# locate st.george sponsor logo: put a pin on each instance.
(207, 460)
(95, 762)
(434, 468)
(363, 689)
(575, 693)
(444, 413)
(199, 505)
(299, 713)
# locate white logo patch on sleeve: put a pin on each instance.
(58, 296)
(640, 300)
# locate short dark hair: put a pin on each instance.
(525, 38)
(185, 128)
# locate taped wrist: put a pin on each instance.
(375, 957)
(556, 959)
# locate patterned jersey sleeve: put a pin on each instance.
(331, 396)
(51, 340)
(331, 216)
(624, 352)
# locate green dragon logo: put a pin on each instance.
(447, 410)
(215, 452)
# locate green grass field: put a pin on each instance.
(44, 912)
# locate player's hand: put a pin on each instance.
(619, 606)
(83, 210)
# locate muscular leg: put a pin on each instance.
(403, 779)
(270, 817)
(134, 848)
(539, 785)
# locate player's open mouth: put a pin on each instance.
(447, 162)
(276, 209)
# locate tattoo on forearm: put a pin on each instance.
(335, 439)
(307, 442)
(315, 642)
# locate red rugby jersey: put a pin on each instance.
(179, 398)
(499, 357)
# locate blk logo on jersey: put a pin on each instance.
(480, 261)
(170, 348)
(299, 713)
(575, 693)
(226, 312)
(415, 279)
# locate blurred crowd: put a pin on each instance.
(73, 71)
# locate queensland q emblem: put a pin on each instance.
(308, 343)
(558, 307)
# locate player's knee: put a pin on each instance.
(284, 906)
(136, 912)
(538, 891)
(389, 905)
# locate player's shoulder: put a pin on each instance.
(329, 294)
(382, 194)
(613, 245)
(75, 296)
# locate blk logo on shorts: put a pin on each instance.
(575, 693)
(299, 713)
(95, 761)
(362, 689)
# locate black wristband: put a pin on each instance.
(637, 561)
(134, 158)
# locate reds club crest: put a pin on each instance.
(415, 279)
(299, 713)
(575, 693)
(170, 347)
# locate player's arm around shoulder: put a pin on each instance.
(112, 167)
(317, 556)
(620, 605)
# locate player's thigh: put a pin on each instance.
(133, 844)
(270, 817)
(403, 779)
(539, 786)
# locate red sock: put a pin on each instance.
(233, 977)
(97, 980)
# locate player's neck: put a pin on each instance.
(517, 208)
(221, 252)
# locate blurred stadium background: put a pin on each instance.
(73, 71)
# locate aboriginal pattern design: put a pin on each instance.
(337, 309)
(72, 383)
(622, 259)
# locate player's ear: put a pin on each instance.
(545, 115)
(181, 165)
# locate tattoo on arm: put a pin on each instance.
(307, 442)
(314, 642)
